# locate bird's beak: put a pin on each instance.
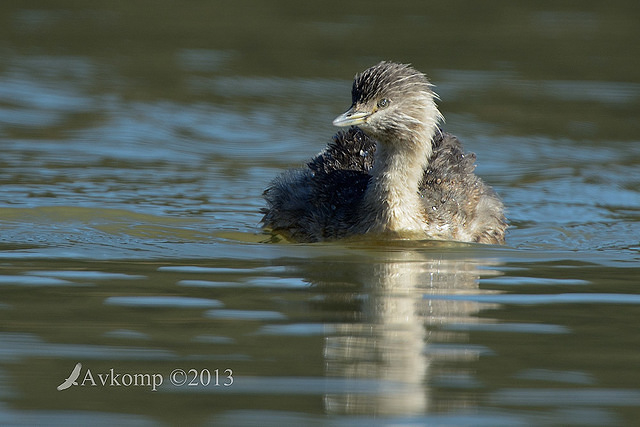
(351, 117)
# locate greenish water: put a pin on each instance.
(136, 139)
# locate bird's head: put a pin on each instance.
(392, 103)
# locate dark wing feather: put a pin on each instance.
(321, 201)
(349, 150)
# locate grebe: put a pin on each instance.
(392, 174)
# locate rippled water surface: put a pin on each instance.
(136, 140)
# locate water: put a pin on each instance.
(136, 140)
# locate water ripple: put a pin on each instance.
(163, 301)
(572, 298)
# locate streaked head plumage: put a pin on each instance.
(392, 102)
(386, 79)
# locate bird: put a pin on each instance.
(393, 173)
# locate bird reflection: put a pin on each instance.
(396, 325)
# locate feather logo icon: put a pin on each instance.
(75, 373)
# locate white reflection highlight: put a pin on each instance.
(390, 344)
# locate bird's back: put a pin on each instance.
(458, 205)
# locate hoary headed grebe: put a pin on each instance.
(392, 174)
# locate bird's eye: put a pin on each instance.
(383, 103)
